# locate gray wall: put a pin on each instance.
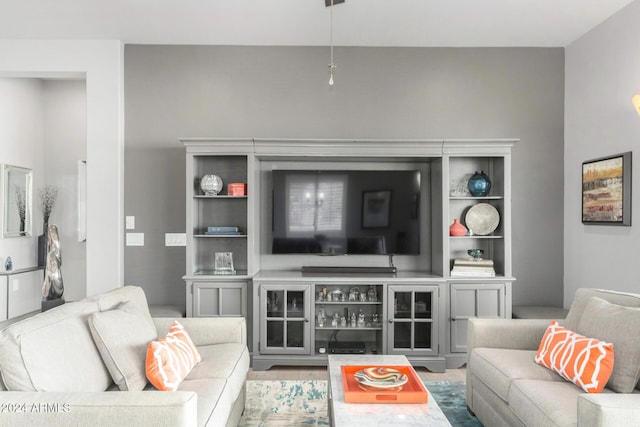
(213, 91)
(602, 74)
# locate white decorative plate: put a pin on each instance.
(381, 377)
(482, 219)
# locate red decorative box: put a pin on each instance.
(411, 392)
(237, 189)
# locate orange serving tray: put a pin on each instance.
(412, 391)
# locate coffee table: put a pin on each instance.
(342, 414)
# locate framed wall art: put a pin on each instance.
(606, 190)
(375, 208)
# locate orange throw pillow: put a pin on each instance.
(170, 359)
(586, 362)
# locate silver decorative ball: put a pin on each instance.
(211, 185)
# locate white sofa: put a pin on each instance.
(505, 387)
(53, 374)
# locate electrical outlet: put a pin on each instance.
(135, 239)
(175, 239)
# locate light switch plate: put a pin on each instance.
(135, 239)
(130, 222)
(175, 239)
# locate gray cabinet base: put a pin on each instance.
(263, 363)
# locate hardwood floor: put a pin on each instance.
(320, 373)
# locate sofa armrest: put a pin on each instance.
(109, 408)
(608, 410)
(520, 334)
(207, 330)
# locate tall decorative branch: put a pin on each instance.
(48, 196)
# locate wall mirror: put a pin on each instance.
(17, 201)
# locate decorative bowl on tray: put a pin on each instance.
(381, 377)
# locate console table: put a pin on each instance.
(20, 292)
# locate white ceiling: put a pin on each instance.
(306, 22)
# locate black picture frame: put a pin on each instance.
(606, 190)
(376, 208)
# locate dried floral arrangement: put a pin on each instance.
(48, 196)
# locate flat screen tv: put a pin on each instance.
(337, 212)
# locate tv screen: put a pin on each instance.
(333, 212)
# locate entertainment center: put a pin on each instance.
(343, 246)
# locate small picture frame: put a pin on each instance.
(606, 190)
(376, 206)
(224, 263)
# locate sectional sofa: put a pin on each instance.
(505, 387)
(53, 373)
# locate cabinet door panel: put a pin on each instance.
(275, 333)
(206, 301)
(232, 301)
(402, 335)
(295, 334)
(219, 299)
(422, 334)
(275, 304)
(413, 320)
(465, 302)
(490, 303)
(422, 305)
(295, 304)
(284, 319)
(402, 303)
(473, 300)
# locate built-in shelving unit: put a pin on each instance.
(209, 292)
(422, 311)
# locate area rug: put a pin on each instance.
(451, 398)
(285, 403)
(304, 403)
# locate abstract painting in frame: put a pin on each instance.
(606, 190)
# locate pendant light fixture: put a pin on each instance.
(332, 66)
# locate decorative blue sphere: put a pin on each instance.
(479, 184)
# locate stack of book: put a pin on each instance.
(223, 230)
(472, 268)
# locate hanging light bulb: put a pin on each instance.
(331, 64)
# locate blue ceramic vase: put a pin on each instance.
(479, 184)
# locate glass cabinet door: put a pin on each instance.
(412, 314)
(285, 313)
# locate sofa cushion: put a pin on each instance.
(582, 297)
(586, 362)
(619, 325)
(53, 351)
(214, 400)
(170, 359)
(545, 403)
(498, 367)
(133, 295)
(228, 361)
(122, 338)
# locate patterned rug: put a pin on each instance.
(304, 403)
